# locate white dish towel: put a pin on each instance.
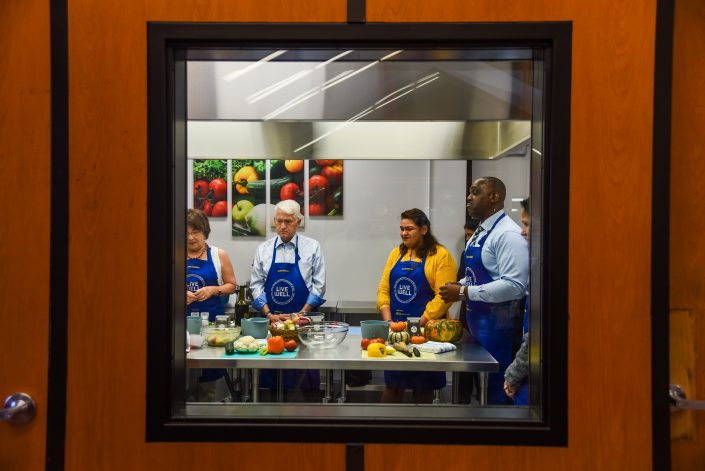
(436, 347)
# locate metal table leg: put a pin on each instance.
(329, 386)
(483, 388)
(255, 385)
(245, 384)
(455, 396)
(343, 388)
(280, 385)
(231, 386)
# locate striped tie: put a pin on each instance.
(475, 236)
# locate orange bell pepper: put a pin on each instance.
(275, 344)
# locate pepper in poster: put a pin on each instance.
(249, 190)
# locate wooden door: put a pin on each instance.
(687, 227)
(611, 130)
(25, 154)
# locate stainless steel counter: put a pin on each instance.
(469, 357)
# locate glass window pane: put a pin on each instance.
(358, 137)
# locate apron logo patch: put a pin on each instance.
(470, 277)
(404, 290)
(282, 291)
(194, 282)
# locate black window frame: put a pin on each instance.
(167, 44)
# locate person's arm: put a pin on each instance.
(227, 273)
(440, 270)
(518, 370)
(257, 279)
(383, 296)
(512, 254)
(317, 286)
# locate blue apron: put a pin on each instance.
(521, 398)
(410, 292)
(286, 292)
(201, 273)
(491, 324)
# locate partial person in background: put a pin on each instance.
(467, 381)
(496, 278)
(409, 287)
(288, 277)
(516, 384)
(209, 277)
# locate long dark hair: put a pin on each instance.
(429, 242)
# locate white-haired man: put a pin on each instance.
(288, 273)
(288, 276)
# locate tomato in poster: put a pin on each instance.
(316, 209)
(325, 162)
(317, 183)
(220, 209)
(334, 174)
(294, 166)
(207, 207)
(289, 191)
(219, 188)
(200, 188)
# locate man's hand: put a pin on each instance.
(509, 391)
(449, 292)
(278, 317)
(190, 297)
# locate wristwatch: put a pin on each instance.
(461, 294)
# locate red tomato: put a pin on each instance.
(364, 343)
(334, 174)
(200, 188)
(317, 183)
(207, 207)
(315, 209)
(220, 209)
(325, 162)
(219, 187)
(290, 345)
(289, 191)
(377, 340)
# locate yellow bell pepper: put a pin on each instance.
(247, 173)
(376, 350)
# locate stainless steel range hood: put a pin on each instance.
(403, 110)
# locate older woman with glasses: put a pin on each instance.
(209, 272)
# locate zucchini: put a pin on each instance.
(258, 188)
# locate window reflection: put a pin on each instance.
(356, 140)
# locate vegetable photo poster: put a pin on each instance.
(249, 211)
(325, 188)
(210, 190)
(286, 181)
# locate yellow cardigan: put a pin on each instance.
(440, 269)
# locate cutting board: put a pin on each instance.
(401, 356)
(257, 356)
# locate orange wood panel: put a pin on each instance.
(25, 151)
(610, 247)
(108, 292)
(688, 200)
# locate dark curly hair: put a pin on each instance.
(429, 242)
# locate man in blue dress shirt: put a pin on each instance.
(496, 278)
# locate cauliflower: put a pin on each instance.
(246, 344)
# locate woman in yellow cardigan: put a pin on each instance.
(409, 287)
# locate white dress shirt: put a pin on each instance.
(505, 256)
(311, 265)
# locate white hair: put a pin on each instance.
(290, 207)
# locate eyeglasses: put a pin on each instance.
(286, 222)
(194, 233)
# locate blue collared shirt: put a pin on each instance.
(505, 255)
(311, 266)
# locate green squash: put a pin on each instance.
(398, 337)
(443, 330)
